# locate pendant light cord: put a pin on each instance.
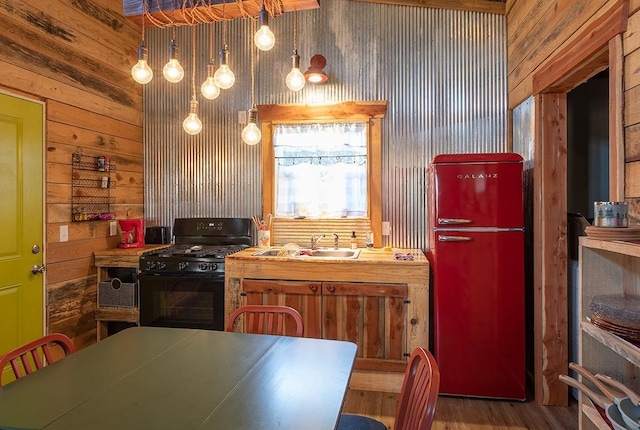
(251, 46)
(224, 25)
(193, 62)
(144, 14)
(295, 29)
(211, 42)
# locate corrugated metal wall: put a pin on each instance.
(442, 72)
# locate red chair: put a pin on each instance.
(418, 397)
(266, 319)
(25, 357)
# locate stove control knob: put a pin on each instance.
(162, 266)
(183, 265)
(151, 265)
(213, 267)
(203, 266)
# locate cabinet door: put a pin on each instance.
(303, 296)
(374, 316)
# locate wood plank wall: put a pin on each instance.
(538, 30)
(76, 57)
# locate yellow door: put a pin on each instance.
(21, 222)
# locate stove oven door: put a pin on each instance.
(182, 301)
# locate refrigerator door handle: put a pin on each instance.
(443, 238)
(454, 221)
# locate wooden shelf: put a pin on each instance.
(631, 249)
(590, 411)
(622, 347)
(606, 267)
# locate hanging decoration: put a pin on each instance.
(224, 77)
(264, 37)
(192, 123)
(295, 79)
(173, 71)
(251, 134)
(141, 72)
(209, 88)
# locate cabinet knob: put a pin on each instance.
(413, 321)
(331, 289)
(313, 287)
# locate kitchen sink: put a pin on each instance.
(322, 254)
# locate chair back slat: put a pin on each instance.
(417, 403)
(267, 319)
(28, 358)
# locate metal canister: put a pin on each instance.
(610, 214)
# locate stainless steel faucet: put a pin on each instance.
(315, 240)
(335, 241)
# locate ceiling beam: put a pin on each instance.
(487, 6)
(162, 13)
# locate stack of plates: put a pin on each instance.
(618, 314)
(629, 334)
(626, 234)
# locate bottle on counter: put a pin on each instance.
(354, 241)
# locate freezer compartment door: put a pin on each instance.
(479, 313)
(477, 195)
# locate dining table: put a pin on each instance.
(181, 379)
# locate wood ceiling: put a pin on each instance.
(162, 13)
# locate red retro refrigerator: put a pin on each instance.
(476, 251)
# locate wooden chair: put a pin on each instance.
(25, 357)
(418, 397)
(266, 319)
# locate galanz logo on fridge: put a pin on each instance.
(478, 176)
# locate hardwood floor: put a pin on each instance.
(454, 413)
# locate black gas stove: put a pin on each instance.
(188, 259)
(183, 285)
(200, 246)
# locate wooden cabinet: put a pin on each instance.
(123, 260)
(371, 315)
(606, 267)
(377, 302)
(305, 297)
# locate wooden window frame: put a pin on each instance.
(371, 112)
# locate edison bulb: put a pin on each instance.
(209, 89)
(192, 124)
(224, 77)
(141, 72)
(295, 79)
(264, 38)
(173, 71)
(251, 134)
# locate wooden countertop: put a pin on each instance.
(366, 256)
(128, 251)
(123, 257)
(375, 265)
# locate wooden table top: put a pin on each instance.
(164, 378)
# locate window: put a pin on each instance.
(320, 170)
(323, 162)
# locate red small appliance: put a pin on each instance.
(131, 233)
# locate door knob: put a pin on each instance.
(37, 269)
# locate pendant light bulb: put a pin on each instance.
(192, 124)
(295, 79)
(209, 88)
(224, 77)
(264, 37)
(141, 72)
(251, 134)
(173, 71)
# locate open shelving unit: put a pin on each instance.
(606, 267)
(91, 185)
